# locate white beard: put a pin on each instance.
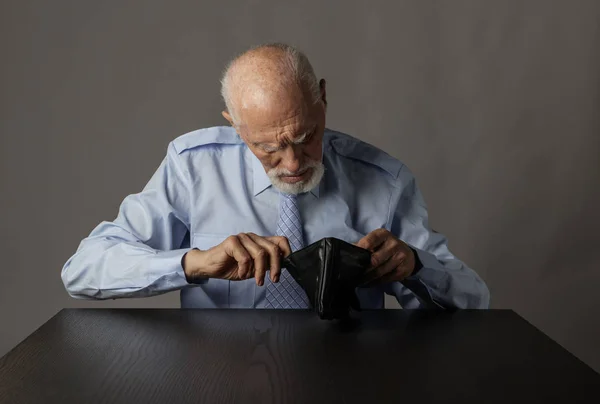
(318, 169)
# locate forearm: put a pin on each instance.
(443, 280)
(138, 254)
(110, 268)
(446, 284)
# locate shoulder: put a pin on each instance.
(360, 152)
(214, 136)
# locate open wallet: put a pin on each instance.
(329, 271)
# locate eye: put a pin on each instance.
(269, 149)
(310, 136)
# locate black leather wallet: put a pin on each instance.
(329, 271)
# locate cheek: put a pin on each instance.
(268, 161)
(313, 151)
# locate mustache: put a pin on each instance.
(278, 172)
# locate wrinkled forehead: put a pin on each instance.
(276, 136)
(277, 123)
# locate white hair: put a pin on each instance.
(295, 65)
(318, 170)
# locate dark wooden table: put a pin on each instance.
(228, 356)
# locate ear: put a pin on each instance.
(228, 117)
(322, 86)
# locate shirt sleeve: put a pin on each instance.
(443, 281)
(140, 253)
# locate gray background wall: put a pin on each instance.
(493, 104)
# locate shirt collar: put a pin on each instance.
(261, 180)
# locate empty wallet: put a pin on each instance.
(329, 271)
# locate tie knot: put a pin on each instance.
(290, 196)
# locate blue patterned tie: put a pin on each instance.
(287, 294)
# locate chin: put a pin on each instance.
(300, 187)
(294, 189)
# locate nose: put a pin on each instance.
(291, 159)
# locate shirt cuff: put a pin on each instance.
(418, 263)
(425, 277)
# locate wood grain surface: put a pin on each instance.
(230, 356)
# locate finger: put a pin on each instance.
(391, 270)
(274, 253)
(285, 249)
(235, 249)
(259, 255)
(282, 243)
(380, 272)
(373, 240)
(384, 252)
(404, 268)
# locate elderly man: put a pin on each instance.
(228, 202)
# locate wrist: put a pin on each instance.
(191, 268)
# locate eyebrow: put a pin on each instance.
(302, 139)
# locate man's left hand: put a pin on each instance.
(391, 259)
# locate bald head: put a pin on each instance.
(268, 77)
(277, 106)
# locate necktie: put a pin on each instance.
(287, 294)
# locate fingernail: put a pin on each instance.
(260, 282)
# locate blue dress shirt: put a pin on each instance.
(210, 186)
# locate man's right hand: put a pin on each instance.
(239, 257)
